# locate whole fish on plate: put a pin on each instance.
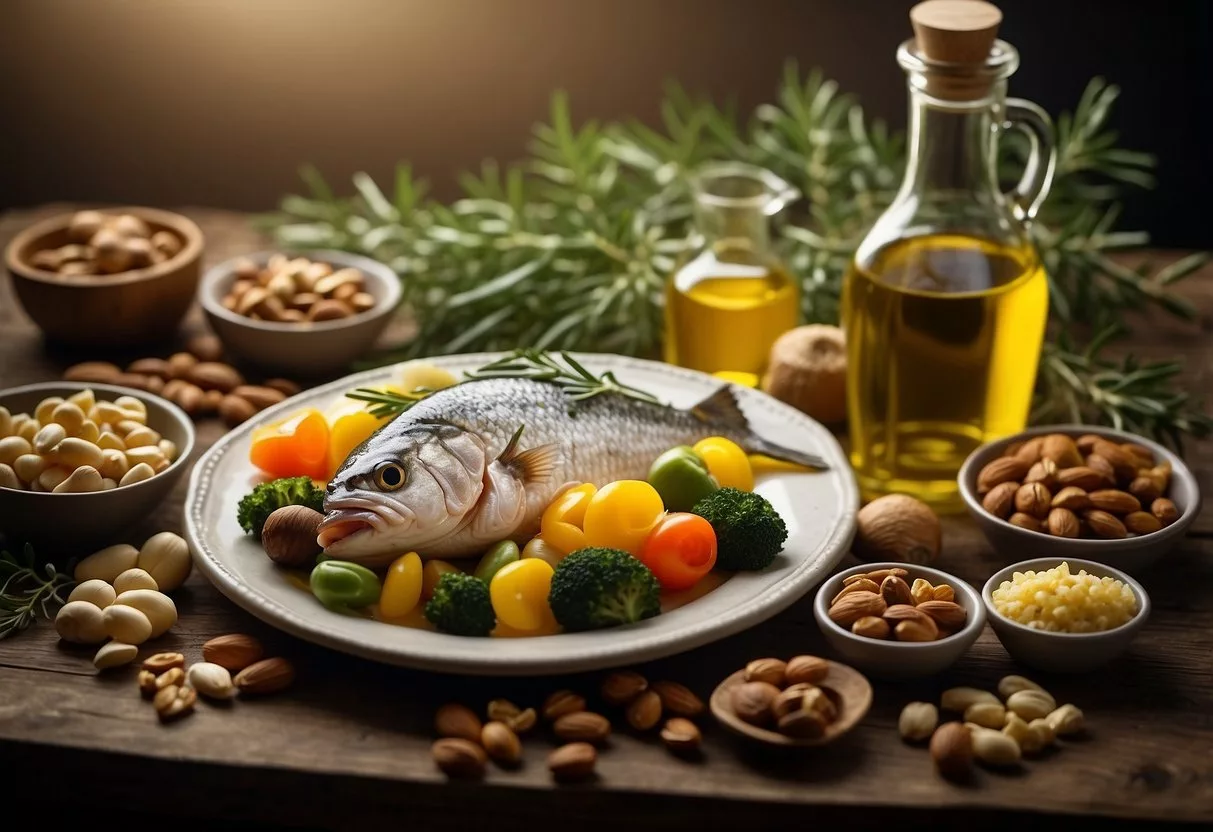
(479, 462)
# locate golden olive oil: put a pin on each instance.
(943, 338)
(725, 308)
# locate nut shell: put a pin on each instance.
(952, 750)
(289, 535)
(808, 370)
(899, 528)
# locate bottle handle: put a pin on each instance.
(1028, 194)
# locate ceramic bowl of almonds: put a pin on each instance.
(79, 461)
(899, 620)
(1065, 615)
(303, 315)
(1073, 491)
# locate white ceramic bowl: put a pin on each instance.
(307, 349)
(1133, 554)
(85, 522)
(1064, 652)
(899, 659)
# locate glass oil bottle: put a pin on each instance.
(945, 303)
(726, 304)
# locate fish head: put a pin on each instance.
(400, 492)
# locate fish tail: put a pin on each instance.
(722, 408)
(757, 445)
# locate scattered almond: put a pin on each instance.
(234, 651)
(678, 699)
(459, 757)
(458, 721)
(574, 761)
(583, 726)
(562, 702)
(681, 736)
(645, 711)
(265, 677)
(501, 743)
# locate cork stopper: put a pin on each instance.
(955, 31)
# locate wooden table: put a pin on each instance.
(350, 742)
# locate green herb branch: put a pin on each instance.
(28, 590)
(566, 372)
(570, 248)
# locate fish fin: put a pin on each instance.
(532, 465)
(722, 408)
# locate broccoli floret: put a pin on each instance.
(749, 532)
(461, 606)
(598, 587)
(256, 506)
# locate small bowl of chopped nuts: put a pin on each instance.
(1074, 491)
(1064, 615)
(899, 620)
(107, 278)
(301, 315)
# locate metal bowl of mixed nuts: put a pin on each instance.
(299, 315)
(899, 620)
(1071, 491)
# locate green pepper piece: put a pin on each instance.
(681, 478)
(502, 554)
(343, 586)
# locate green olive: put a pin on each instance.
(343, 586)
(503, 553)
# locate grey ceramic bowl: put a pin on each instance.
(309, 349)
(1133, 554)
(1064, 652)
(900, 659)
(85, 522)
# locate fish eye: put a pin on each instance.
(389, 476)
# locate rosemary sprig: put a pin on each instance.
(567, 373)
(570, 249)
(27, 590)
(386, 403)
(1139, 397)
(577, 382)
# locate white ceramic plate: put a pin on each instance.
(819, 509)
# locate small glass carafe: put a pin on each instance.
(946, 300)
(730, 299)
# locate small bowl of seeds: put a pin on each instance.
(305, 315)
(1073, 491)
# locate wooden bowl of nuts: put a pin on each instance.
(805, 701)
(304, 316)
(79, 462)
(899, 620)
(1074, 491)
(115, 277)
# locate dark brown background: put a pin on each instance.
(176, 102)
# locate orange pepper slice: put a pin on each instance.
(293, 447)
